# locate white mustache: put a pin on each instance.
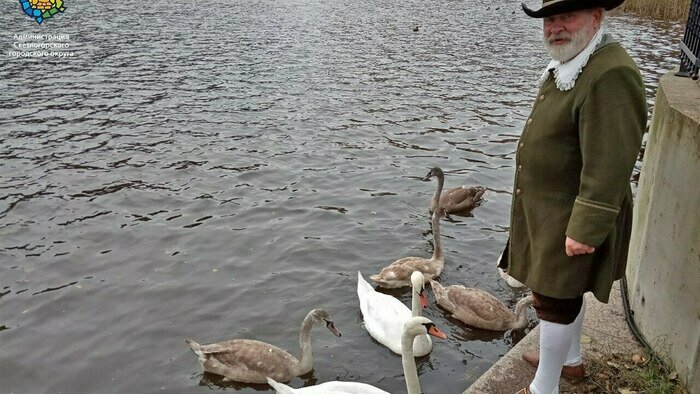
(561, 36)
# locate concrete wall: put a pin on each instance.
(663, 270)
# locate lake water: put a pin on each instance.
(217, 169)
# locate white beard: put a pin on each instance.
(577, 42)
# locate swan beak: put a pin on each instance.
(423, 299)
(331, 327)
(436, 332)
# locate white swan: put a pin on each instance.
(251, 361)
(334, 387)
(385, 316)
(512, 282)
(414, 327)
(398, 273)
(456, 199)
(480, 309)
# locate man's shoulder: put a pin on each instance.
(609, 58)
(609, 62)
(610, 54)
(606, 40)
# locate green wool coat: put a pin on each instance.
(573, 166)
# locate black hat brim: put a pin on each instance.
(570, 6)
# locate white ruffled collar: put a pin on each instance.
(566, 74)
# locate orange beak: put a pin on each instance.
(423, 299)
(434, 331)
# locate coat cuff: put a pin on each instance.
(591, 221)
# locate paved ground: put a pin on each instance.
(604, 332)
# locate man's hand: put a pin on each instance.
(574, 247)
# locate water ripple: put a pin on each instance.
(217, 171)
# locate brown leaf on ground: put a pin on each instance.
(638, 359)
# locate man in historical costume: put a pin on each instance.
(572, 202)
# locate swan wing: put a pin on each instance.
(249, 361)
(461, 198)
(398, 273)
(479, 308)
(429, 269)
(384, 317)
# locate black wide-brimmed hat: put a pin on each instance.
(553, 7)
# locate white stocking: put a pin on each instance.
(573, 358)
(559, 344)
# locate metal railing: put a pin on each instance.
(690, 45)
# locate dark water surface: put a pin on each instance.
(218, 170)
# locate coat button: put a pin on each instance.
(521, 145)
(542, 97)
(529, 121)
(520, 168)
(518, 192)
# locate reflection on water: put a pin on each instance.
(219, 171)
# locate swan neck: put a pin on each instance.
(409, 364)
(438, 191)
(306, 361)
(415, 302)
(437, 253)
(521, 318)
(438, 290)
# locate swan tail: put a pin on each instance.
(279, 387)
(362, 284)
(196, 348)
(377, 279)
(364, 290)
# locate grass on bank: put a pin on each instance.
(656, 9)
(629, 374)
